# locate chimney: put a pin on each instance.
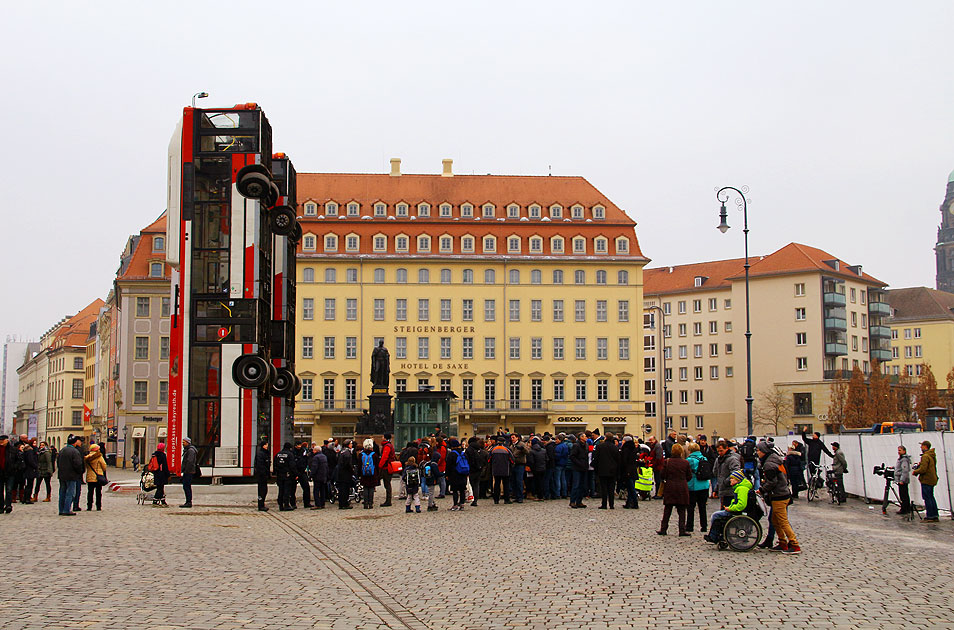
(448, 167)
(395, 167)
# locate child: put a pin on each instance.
(411, 477)
(368, 468)
(741, 487)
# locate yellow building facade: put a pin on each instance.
(922, 332)
(476, 285)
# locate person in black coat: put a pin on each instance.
(629, 470)
(344, 476)
(160, 476)
(9, 455)
(302, 455)
(606, 466)
(537, 461)
(30, 470)
(457, 481)
(477, 458)
(262, 471)
(580, 464)
(286, 476)
(318, 465)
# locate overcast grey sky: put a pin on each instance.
(838, 115)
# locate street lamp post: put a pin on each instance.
(662, 350)
(723, 227)
(199, 95)
(125, 431)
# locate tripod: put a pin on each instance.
(886, 501)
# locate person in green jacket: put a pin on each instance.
(740, 500)
(926, 472)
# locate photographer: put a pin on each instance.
(926, 471)
(902, 477)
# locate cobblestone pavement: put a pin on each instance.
(224, 565)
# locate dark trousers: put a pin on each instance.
(538, 484)
(91, 487)
(505, 482)
(930, 503)
(27, 494)
(516, 481)
(458, 496)
(657, 477)
(576, 487)
(39, 480)
(667, 512)
(76, 497)
(607, 490)
(368, 495)
(697, 500)
(840, 487)
(160, 492)
(6, 492)
(475, 486)
(262, 492)
(344, 493)
(320, 492)
(632, 497)
(386, 480)
(549, 480)
(905, 497)
(187, 487)
(305, 492)
(284, 496)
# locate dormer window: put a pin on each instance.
(380, 243)
(513, 244)
(353, 209)
(622, 245)
(599, 212)
(401, 243)
(577, 211)
(556, 212)
(331, 243)
(466, 210)
(556, 245)
(536, 244)
(311, 209)
(534, 211)
(513, 211)
(467, 244)
(700, 280)
(423, 209)
(488, 211)
(308, 243)
(155, 270)
(423, 243)
(158, 243)
(490, 244)
(331, 209)
(600, 245)
(447, 244)
(445, 210)
(402, 210)
(351, 243)
(579, 245)
(380, 210)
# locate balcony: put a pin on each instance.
(880, 355)
(880, 332)
(339, 406)
(836, 348)
(879, 308)
(836, 323)
(834, 299)
(504, 406)
(833, 374)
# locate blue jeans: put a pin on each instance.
(632, 498)
(548, 483)
(719, 514)
(67, 495)
(559, 483)
(591, 483)
(516, 481)
(187, 487)
(930, 504)
(579, 480)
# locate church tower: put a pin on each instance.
(944, 250)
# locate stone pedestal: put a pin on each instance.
(380, 420)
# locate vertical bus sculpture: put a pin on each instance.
(231, 238)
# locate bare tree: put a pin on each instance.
(773, 410)
(856, 400)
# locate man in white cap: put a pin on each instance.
(189, 457)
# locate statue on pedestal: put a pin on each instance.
(380, 368)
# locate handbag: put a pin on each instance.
(198, 472)
(101, 479)
(395, 467)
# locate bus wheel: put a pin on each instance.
(273, 195)
(296, 236)
(250, 371)
(284, 383)
(253, 185)
(283, 220)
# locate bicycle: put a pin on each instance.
(817, 479)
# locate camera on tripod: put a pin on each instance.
(884, 471)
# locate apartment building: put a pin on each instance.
(922, 332)
(813, 318)
(518, 294)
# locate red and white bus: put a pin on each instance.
(230, 227)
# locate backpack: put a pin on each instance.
(752, 507)
(430, 471)
(462, 465)
(704, 470)
(412, 480)
(153, 465)
(367, 464)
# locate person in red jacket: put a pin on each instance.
(387, 455)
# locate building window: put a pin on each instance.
(802, 404)
(401, 243)
(351, 309)
(142, 307)
(799, 289)
(351, 243)
(467, 310)
(513, 244)
(142, 348)
(351, 347)
(163, 349)
(163, 392)
(713, 372)
(467, 351)
(423, 309)
(602, 348)
(307, 308)
(490, 347)
(713, 328)
(164, 307)
(536, 348)
(683, 374)
(328, 395)
(331, 243)
(379, 275)
(622, 246)
(78, 361)
(490, 244)
(601, 310)
(307, 347)
(558, 348)
(490, 392)
(379, 309)
(351, 275)
(558, 310)
(158, 244)
(490, 276)
(308, 275)
(423, 275)
(400, 384)
(579, 277)
(801, 363)
(696, 328)
(699, 397)
(602, 389)
(445, 385)
(556, 212)
(800, 314)
(600, 245)
(445, 347)
(580, 346)
(697, 373)
(579, 310)
(514, 276)
(311, 209)
(490, 310)
(557, 276)
(331, 209)
(400, 347)
(140, 393)
(77, 388)
(558, 389)
(801, 339)
(330, 275)
(423, 347)
(536, 310)
(681, 306)
(400, 309)
(155, 270)
(515, 310)
(330, 309)
(306, 388)
(445, 310)
(581, 389)
(329, 347)
(624, 348)
(624, 388)
(515, 347)
(423, 243)
(623, 310)
(697, 350)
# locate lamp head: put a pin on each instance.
(202, 95)
(723, 223)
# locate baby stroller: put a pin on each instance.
(740, 532)
(147, 487)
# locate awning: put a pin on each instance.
(161, 433)
(139, 432)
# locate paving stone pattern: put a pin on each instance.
(224, 565)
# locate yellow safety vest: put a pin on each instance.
(644, 481)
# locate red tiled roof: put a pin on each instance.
(683, 277)
(75, 331)
(797, 258)
(143, 256)
(500, 190)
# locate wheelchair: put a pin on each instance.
(739, 532)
